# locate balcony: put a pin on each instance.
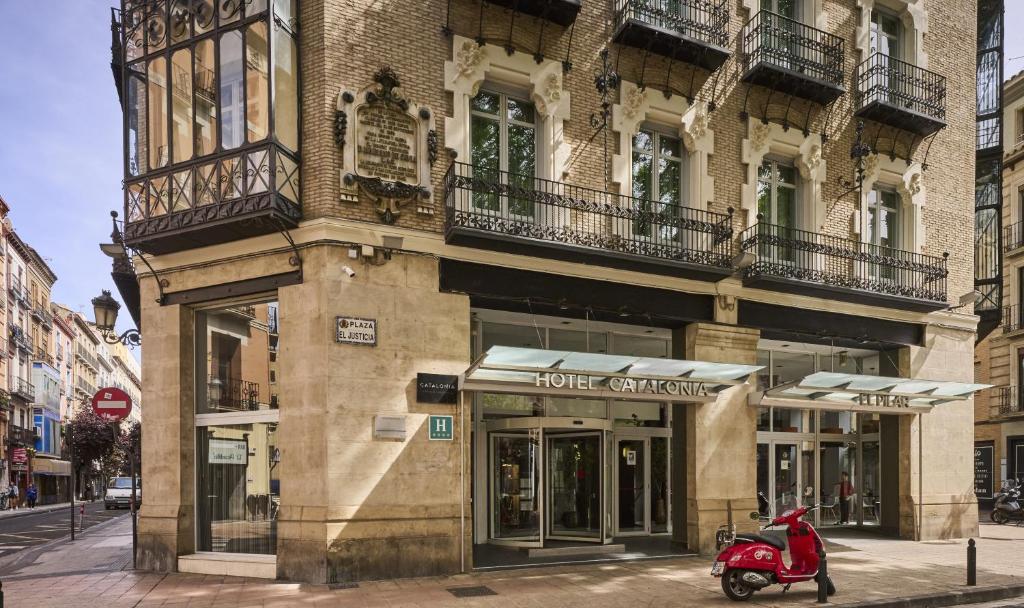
(42, 355)
(901, 95)
(234, 395)
(808, 263)
(501, 211)
(18, 436)
(221, 198)
(692, 31)
(1005, 401)
(39, 313)
(1013, 237)
(85, 386)
(22, 340)
(562, 12)
(793, 58)
(87, 358)
(1013, 318)
(23, 389)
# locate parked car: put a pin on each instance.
(119, 493)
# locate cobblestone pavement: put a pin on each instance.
(89, 572)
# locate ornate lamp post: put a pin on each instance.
(105, 309)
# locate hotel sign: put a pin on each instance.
(584, 382)
(437, 388)
(879, 400)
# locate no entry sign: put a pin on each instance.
(113, 404)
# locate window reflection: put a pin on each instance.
(181, 109)
(234, 373)
(231, 93)
(157, 75)
(205, 99)
(257, 94)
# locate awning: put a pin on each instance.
(506, 369)
(857, 393)
(50, 466)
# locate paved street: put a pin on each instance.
(23, 528)
(865, 567)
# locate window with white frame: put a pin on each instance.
(236, 421)
(503, 136)
(658, 178)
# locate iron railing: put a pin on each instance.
(85, 386)
(784, 43)
(23, 388)
(1013, 236)
(233, 394)
(1004, 401)
(22, 339)
(87, 358)
(272, 320)
(887, 80)
(512, 205)
(42, 355)
(1013, 318)
(703, 20)
(42, 315)
(837, 262)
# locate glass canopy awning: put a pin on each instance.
(853, 392)
(506, 369)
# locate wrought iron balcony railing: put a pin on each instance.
(233, 394)
(85, 386)
(695, 31)
(498, 209)
(22, 339)
(42, 355)
(811, 262)
(1005, 401)
(901, 94)
(189, 204)
(23, 389)
(1013, 318)
(39, 313)
(796, 58)
(87, 358)
(1013, 236)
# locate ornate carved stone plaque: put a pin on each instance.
(394, 146)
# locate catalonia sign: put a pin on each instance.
(112, 404)
(584, 382)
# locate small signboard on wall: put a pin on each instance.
(228, 451)
(353, 330)
(437, 388)
(983, 470)
(441, 428)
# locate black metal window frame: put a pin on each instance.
(703, 20)
(142, 20)
(604, 221)
(788, 44)
(990, 287)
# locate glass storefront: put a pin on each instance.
(237, 456)
(807, 457)
(567, 468)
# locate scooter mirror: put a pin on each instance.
(754, 516)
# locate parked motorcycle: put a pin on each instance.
(751, 562)
(1006, 504)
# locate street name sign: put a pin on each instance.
(112, 404)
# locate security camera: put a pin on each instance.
(351, 273)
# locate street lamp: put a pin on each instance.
(105, 309)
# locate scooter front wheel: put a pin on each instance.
(999, 516)
(734, 587)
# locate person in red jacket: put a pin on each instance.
(846, 491)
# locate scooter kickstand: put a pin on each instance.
(786, 588)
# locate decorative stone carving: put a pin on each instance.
(468, 58)
(810, 161)
(758, 135)
(633, 101)
(390, 157)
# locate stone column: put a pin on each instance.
(720, 440)
(167, 517)
(936, 487)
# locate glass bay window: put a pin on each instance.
(211, 105)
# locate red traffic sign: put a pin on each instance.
(112, 404)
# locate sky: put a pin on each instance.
(60, 134)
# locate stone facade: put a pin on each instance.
(355, 508)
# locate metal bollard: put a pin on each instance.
(822, 577)
(972, 564)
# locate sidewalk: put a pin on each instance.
(39, 509)
(865, 568)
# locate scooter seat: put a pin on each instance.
(778, 543)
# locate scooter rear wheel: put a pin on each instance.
(734, 587)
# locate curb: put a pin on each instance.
(7, 514)
(976, 595)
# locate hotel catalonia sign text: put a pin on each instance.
(584, 382)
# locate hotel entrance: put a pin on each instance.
(572, 449)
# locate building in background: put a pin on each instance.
(999, 242)
(64, 338)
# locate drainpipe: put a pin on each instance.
(462, 481)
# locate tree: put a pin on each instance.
(92, 440)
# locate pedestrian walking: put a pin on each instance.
(31, 494)
(846, 492)
(12, 495)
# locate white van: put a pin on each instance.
(119, 493)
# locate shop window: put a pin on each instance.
(237, 457)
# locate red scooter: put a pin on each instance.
(750, 562)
